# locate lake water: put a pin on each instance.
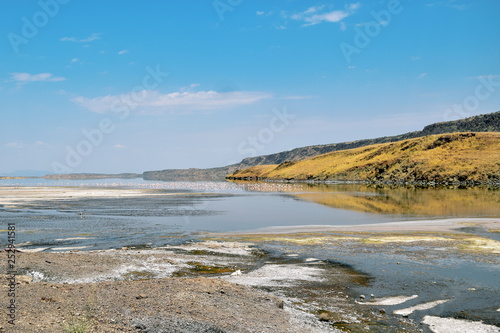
(103, 223)
(180, 211)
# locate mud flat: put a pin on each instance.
(196, 287)
(439, 277)
(436, 225)
(301, 282)
(15, 197)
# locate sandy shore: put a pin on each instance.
(13, 197)
(190, 288)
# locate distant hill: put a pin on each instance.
(483, 123)
(190, 174)
(457, 158)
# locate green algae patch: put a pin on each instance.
(138, 275)
(197, 268)
(480, 244)
(404, 239)
(294, 238)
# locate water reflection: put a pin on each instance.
(393, 200)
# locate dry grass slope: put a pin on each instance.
(442, 158)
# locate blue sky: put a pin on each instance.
(130, 86)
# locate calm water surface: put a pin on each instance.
(469, 286)
(101, 223)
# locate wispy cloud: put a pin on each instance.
(421, 76)
(122, 52)
(317, 14)
(88, 39)
(184, 100)
(23, 78)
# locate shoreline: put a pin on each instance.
(402, 183)
(437, 225)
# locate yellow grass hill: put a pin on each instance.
(459, 158)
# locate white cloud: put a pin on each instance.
(16, 145)
(421, 76)
(189, 88)
(354, 6)
(315, 15)
(156, 102)
(260, 13)
(119, 146)
(88, 39)
(23, 78)
(122, 52)
(415, 58)
(314, 9)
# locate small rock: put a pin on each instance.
(372, 295)
(48, 300)
(236, 273)
(382, 311)
(141, 296)
(281, 304)
(324, 317)
(362, 296)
